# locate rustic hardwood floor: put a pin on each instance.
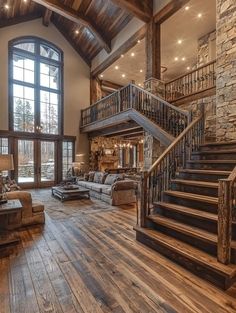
(85, 259)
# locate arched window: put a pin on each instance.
(35, 86)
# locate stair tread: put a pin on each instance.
(210, 172)
(188, 211)
(183, 228)
(192, 196)
(213, 161)
(189, 251)
(196, 183)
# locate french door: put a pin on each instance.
(35, 163)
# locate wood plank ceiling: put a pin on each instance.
(88, 25)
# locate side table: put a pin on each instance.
(10, 218)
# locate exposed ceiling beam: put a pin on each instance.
(78, 18)
(141, 9)
(110, 84)
(126, 46)
(19, 19)
(71, 42)
(47, 17)
(168, 10)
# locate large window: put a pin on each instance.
(35, 86)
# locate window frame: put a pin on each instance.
(66, 141)
(37, 88)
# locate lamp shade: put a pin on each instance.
(6, 162)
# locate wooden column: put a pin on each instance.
(224, 221)
(95, 89)
(153, 50)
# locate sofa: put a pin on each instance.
(111, 188)
(32, 212)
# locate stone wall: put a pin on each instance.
(206, 48)
(209, 104)
(152, 149)
(226, 70)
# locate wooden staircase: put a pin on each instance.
(183, 223)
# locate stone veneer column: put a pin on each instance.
(152, 149)
(226, 70)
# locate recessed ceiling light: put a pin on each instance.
(180, 41)
(123, 75)
(25, 1)
(116, 67)
(188, 68)
(186, 8)
(176, 58)
(183, 59)
(138, 41)
(139, 85)
(101, 76)
(122, 55)
(77, 31)
(132, 54)
(6, 6)
(141, 71)
(199, 15)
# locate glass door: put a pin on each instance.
(36, 163)
(47, 163)
(26, 163)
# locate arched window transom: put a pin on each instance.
(36, 69)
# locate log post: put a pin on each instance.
(144, 203)
(153, 50)
(95, 89)
(224, 221)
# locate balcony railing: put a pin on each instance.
(170, 118)
(196, 81)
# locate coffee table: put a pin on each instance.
(70, 194)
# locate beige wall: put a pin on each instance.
(76, 76)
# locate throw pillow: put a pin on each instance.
(98, 177)
(91, 176)
(112, 178)
(86, 176)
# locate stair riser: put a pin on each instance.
(214, 156)
(201, 244)
(199, 222)
(212, 192)
(212, 208)
(210, 166)
(196, 221)
(218, 147)
(200, 270)
(200, 177)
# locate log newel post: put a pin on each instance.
(224, 221)
(144, 203)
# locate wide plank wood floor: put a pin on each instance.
(85, 259)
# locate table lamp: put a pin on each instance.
(6, 164)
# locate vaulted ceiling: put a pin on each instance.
(88, 25)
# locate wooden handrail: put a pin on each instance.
(226, 202)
